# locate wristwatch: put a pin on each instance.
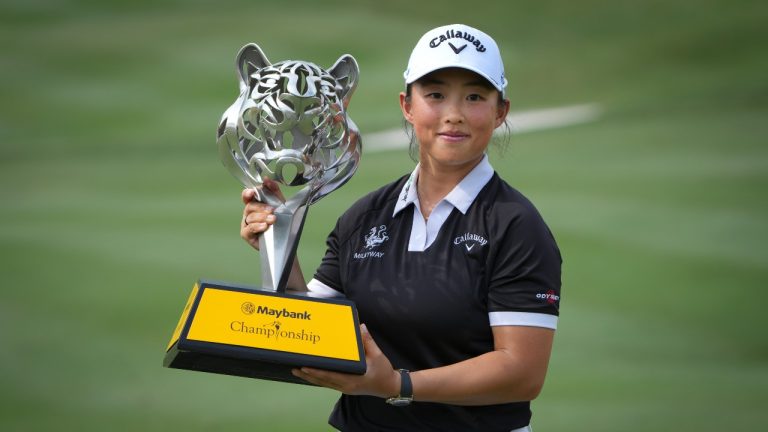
(406, 390)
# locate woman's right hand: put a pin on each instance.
(257, 216)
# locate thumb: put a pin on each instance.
(368, 343)
(274, 187)
(248, 195)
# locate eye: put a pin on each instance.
(475, 97)
(434, 95)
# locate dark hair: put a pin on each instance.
(501, 141)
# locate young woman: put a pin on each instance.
(455, 275)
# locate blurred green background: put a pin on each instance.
(114, 201)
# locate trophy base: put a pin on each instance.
(218, 364)
(242, 331)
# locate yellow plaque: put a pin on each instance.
(276, 323)
(242, 331)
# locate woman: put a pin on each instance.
(455, 275)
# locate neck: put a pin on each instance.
(435, 182)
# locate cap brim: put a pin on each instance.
(415, 76)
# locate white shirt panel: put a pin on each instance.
(528, 319)
(423, 233)
(321, 290)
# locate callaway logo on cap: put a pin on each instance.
(457, 45)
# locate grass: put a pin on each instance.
(114, 202)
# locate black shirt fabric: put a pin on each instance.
(431, 308)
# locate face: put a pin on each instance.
(454, 113)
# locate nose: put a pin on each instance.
(453, 113)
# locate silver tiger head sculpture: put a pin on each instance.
(289, 125)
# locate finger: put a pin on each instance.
(252, 238)
(299, 374)
(312, 376)
(368, 343)
(251, 218)
(271, 185)
(258, 213)
(253, 230)
(274, 187)
(251, 234)
(247, 195)
(257, 207)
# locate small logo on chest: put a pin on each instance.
(470, 241)
(375, 238)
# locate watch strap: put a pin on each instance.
(406, 390)
(406, 386)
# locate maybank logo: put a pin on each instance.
(283, 313)
(248, 308)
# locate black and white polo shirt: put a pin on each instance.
(429, 291)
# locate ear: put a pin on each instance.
(405, 107)
(250, 59)
(347, 73)
(501, 112)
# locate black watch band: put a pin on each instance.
(406, 390)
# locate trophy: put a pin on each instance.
(289, 125)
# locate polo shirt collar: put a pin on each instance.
(461, 197)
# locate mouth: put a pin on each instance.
(453, 136)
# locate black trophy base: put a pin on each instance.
(242, 367)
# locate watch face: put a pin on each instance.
(399, 401)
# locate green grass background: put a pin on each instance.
(114, 201)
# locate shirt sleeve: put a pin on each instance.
(524, 286)
(329, 271)
(321, 290)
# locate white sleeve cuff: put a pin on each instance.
(528, 319)
(321, 290)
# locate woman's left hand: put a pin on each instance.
(380, 379)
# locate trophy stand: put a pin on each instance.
(278, 244)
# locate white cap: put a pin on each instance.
(457, 45)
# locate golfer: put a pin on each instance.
(455, 275)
